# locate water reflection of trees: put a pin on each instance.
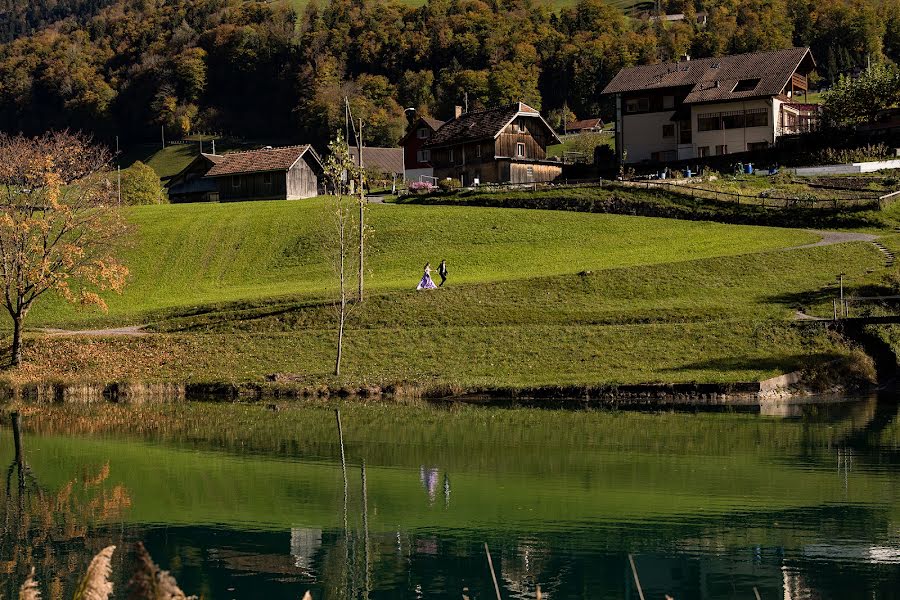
(53, 529)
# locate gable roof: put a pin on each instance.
(260, 161)
(201, 162)
(434, 124)
(387, 160)
(711, 79)
(586, 124)
(483, 124)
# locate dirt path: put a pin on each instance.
(131, 330)
(829, 238)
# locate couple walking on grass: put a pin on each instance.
(427, 283)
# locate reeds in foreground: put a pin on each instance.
(149, 582)
(29, 589)
(95, 585)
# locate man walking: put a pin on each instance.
(442, 271)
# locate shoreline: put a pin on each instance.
(790, 388)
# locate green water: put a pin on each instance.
(242, 502)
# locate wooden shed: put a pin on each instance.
(287, 173)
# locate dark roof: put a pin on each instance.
(434, 124)
(585, 124)
(386, 160)
(711, 79)
(259, 161)
(482, 124)
(203, 161)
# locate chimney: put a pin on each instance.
(457, 111)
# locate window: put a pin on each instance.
(452, 157)
(709, 122)
(735, 119)
(757, 117)
(520, 149)
(424, 156)
(722, 149)
(529, 173)
(702, 151)
(668, 101)
(267, 179)
(663, 156)
(746, 85)
(235, 181)
(757, 146)
(684, 132)
(669, 130)
(478, 151)
(732, 120)
(637, 105)
(423, 133)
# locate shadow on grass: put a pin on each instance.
(783, 362)
(804, 299)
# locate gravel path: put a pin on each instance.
(829, 238)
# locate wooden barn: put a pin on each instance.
(497, 145)
(287, 173)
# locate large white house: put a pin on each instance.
(712, 106)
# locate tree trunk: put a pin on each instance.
(340, 340)
(17, 340)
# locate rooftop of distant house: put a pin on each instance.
(257, 161)
(751, 75)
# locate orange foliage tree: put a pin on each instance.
(59, 224)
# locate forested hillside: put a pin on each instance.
(21, 17)
(265, 70)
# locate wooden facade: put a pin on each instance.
(300, 181)
(515, 153)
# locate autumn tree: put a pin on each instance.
(59, 225)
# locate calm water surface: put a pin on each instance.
(241, 502)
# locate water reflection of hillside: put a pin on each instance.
(802, 507)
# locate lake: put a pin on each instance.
(240, 501)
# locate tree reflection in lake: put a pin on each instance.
(53, 528)
(242, 503)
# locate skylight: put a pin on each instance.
(746, 85)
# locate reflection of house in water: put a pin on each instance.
(304, 544)
(523, 571)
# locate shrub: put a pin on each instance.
(141, 185)
(421, 187)
(448, 184)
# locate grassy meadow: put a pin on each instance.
(237, 292)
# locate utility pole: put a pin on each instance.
(119, 179)
(362, 207)
(201, 143)
(117, 145)
(841, 278)
(162, 133)
(466, 101)
(214, 146)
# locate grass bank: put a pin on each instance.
(235, 293)
(618, 199)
